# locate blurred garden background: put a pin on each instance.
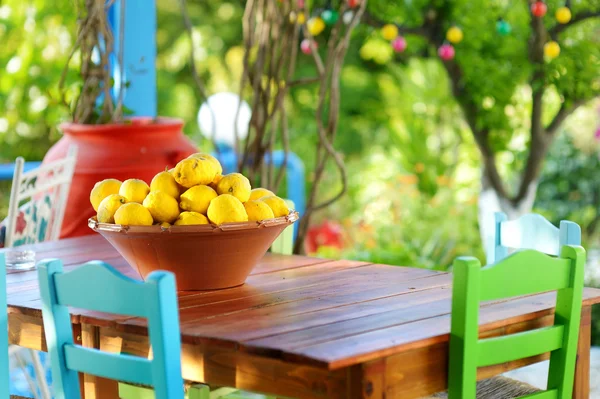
(414, 168)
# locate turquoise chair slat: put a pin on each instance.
(517, 346)
(4, 365)
(470, 283)
(500, 282)
(73, 289)
(531, 231)
(157, 301)
(108, 365)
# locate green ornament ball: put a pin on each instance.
(330, 16)
(503, 27)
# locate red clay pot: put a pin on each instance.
(138, 149)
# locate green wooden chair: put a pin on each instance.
(523, 273)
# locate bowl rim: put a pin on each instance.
(198, 228)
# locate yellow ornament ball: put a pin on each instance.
(454, 35)
(315, 26)
(551, 50)
(389, 31)
(563, 15)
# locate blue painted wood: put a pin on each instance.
(531, 231)
(139, 55)
(4, 366)
(7, 170)
(120, 294)
(155, 299)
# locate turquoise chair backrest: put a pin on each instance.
(4, 370)
(531, 231)
(523, 273)
(97, 286)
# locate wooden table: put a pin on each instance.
(300, 327)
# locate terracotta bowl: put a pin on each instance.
(202, 257)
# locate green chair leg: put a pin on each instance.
(199, 391)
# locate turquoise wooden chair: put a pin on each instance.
(523, 273)
(531, 231)
(97, 286)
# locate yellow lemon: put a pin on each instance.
(103, 189)
(454, 35)
(197, 199)
(192, 171)
(165, 225)
(226, 209)
(389, 31)
(563, 15)
(215, 182)
(108, 207)
(235, 184)
(277, 205)
(135, 190)
(189, 218)
(208, 157)
(181, 188)
(258, 193)
(165, 182)
(133, 214)
(551, 49)
(162, 206)
(258, 210)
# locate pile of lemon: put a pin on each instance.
(194, 192)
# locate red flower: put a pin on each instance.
(327, 234)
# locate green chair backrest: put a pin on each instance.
(523, 273)
(284, 244)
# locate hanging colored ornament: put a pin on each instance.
(297, 18)
(563, 15)
(315, 26)
(353, 3)
(551, 50)
(539, 9)
(330, 17)
(446, 52)
(389, 31)
(454, 35)
(503, 27)
(399, 44)
(347, 17)
(305, 46)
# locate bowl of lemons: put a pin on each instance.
(209, 229)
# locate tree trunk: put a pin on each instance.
(490, 202)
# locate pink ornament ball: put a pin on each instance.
(305, 46)
(399, 44)
(446, 52)
(300, 3)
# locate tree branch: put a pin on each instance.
(582, 16)
(562, 114)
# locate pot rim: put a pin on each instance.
(147, 123)
(103, 228)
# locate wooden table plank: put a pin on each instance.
(300, 326)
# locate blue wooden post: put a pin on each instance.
(139, 55)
